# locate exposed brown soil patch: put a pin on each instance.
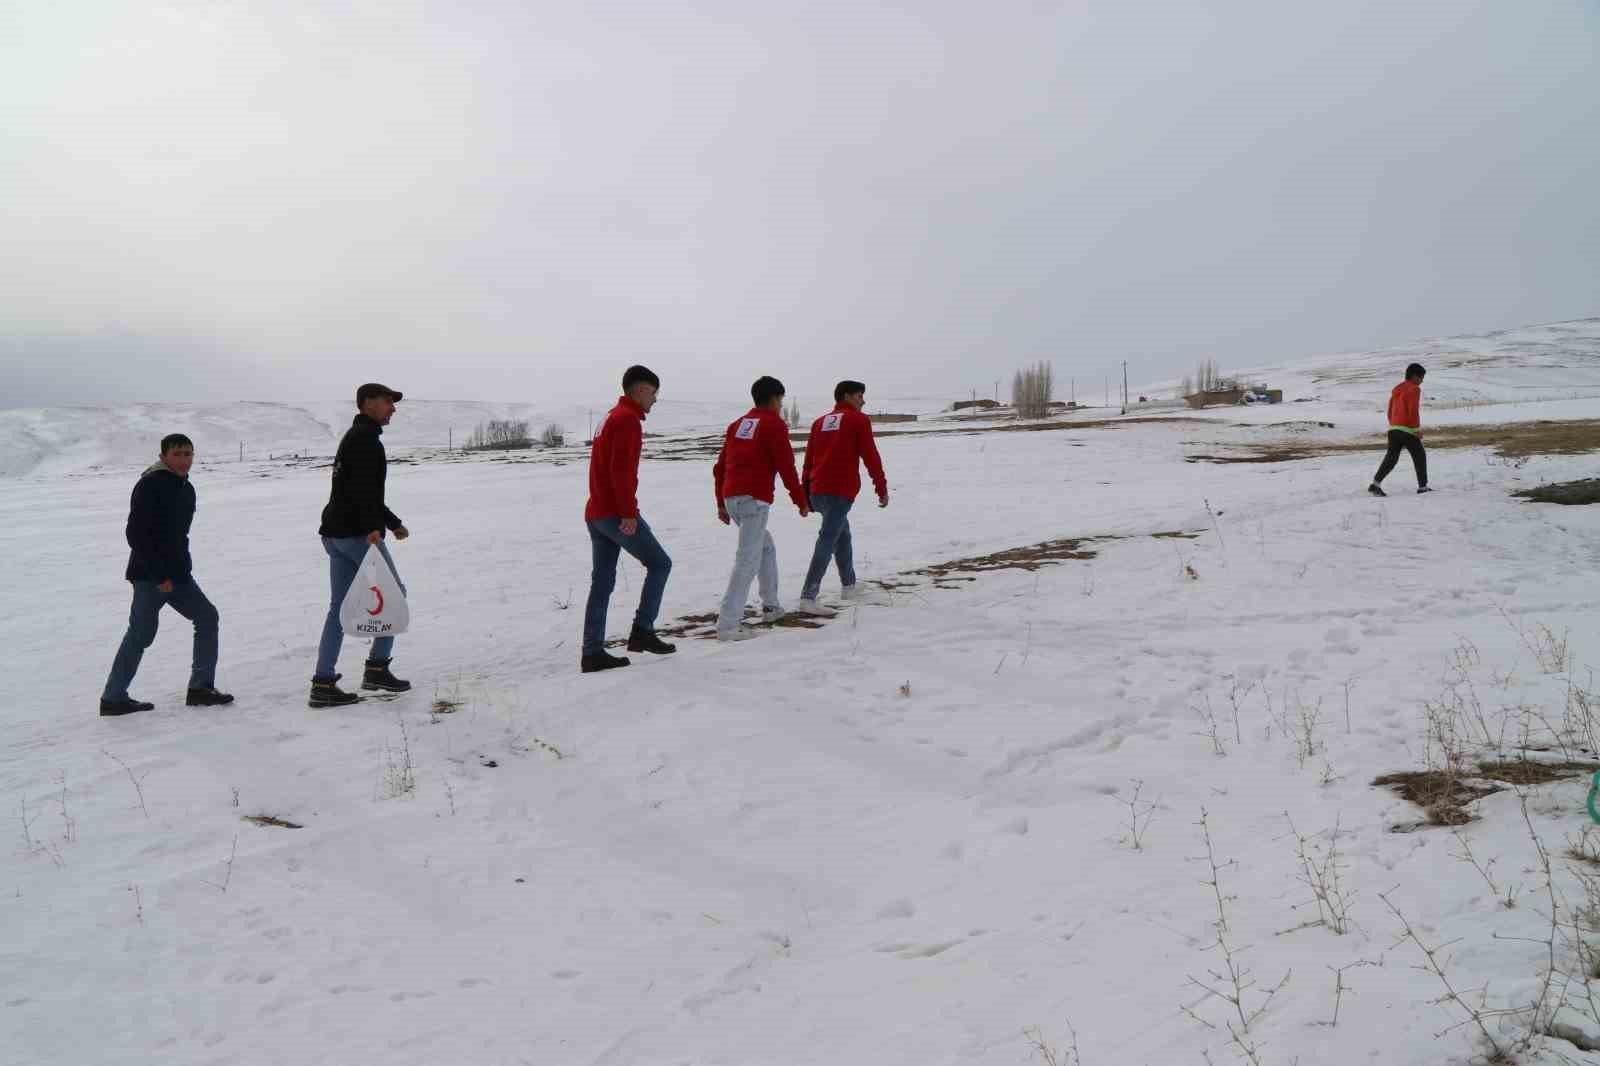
(1443, 797)
(1511, 441)
(271, 820)
(1529, 772)
(945, 575)
(1565, 492)
(1027, 558)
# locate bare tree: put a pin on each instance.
(1032, 389)
(499, 433)
(553, 436)
(792, 416)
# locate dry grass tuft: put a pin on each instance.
(1571, 493)
(1443, 796)
(271, 820)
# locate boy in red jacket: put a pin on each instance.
(755, 449)
(840, 441)
(615, 526)
(1405, 430)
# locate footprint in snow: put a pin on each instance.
(1019, 826)
(919, 951)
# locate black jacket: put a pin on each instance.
(159, 516)
(355, 507)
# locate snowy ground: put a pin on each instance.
(899, 838)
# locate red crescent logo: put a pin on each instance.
(376, 591)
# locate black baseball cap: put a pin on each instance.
(372, 389)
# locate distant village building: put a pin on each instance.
(1232, 396)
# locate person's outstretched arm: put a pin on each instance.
(870, 456)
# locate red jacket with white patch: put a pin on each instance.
(614, 463)
(755, 450)
(840, 441)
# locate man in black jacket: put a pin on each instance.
(159, 515)
(355, 519)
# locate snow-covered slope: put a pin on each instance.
(1557, 361)
(58, 440)
(902, 839)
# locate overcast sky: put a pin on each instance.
(481, 200)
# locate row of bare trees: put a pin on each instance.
(507, 433)
(1206, 378)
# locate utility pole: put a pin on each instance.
(241, 451)
(1108, 390)
(1124, 386)
(1074, 391)
(996, 390)
(450, 441)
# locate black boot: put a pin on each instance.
(126, 705)
(641, 640)
(1423, 488)
(601, 660)
(207, 697)
(1376, 489)
(378, 678)
(325, 692)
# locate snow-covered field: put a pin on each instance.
(899, 838)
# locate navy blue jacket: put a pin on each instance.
(160, 513)
(355, 506)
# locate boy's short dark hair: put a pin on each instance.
(1416, 370)
(635, 375)
(765, 389)
(847, 388)
(175, 440)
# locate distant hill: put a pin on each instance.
(1528, 364)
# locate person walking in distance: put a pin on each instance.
(840, 441)
(354, 520)
(616, 526)
(755, 450)
(161, 571)
(1405, 431)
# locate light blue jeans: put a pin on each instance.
(344, 560)
(757, 554)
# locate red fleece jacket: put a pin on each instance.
(614, 463)
(755, 449)
(840, 441)
(1405, 406)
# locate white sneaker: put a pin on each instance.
(815, 609)
(772, 614)
(742, 633)
(860, 594)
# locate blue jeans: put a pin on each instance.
(143, 620)
(833, 542)
(757, 554)
(344, 561)
(607, 541)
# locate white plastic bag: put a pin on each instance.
(375, 606)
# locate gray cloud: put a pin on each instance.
(512, 201)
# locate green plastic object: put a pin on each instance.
(1594, 790)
